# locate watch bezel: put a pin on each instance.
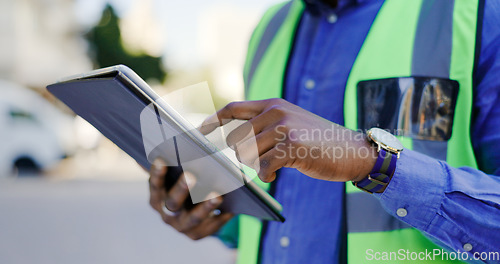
(392, 144)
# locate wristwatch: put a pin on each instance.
(388, 148)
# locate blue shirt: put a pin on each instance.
(457, 206)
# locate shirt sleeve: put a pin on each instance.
(459, 207)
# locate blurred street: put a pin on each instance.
(100, 219)
(67, 194)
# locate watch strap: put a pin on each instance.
(381, 173)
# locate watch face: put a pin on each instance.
(386, 139)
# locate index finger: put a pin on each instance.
(157, 174)
(245, 110)
(156, 183)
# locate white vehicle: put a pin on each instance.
(34, 135)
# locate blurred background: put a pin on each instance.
(67, 194)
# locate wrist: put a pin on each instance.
(367, 161)
(381, 174)
(388, 149)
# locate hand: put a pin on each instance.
(289, 136)
(196, 223)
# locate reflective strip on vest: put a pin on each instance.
(266, 52)
(433, 13)
(424, 46)
(420, 38)
(267, 37)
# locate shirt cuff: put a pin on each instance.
(416, 190)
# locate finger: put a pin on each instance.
(199, 213)
(270, 162)
(251, 149)
(156, 181)
(157, 174)
(177, 195)
(172, 220)
(242, 133)
(209, 226)
(169, 218)
(236, 110)
(269, 118)
(211, 123)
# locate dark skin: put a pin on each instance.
(265, 117)
(196, 223)
(282, 133)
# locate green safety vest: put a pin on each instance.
(405, 39)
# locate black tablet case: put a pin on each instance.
(113, 107)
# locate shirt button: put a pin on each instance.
(332, 18)
(401, 212)
(310, 84)
(285, 241)
(468, 247)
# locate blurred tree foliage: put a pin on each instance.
(107, 49)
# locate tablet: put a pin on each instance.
(114, 98)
